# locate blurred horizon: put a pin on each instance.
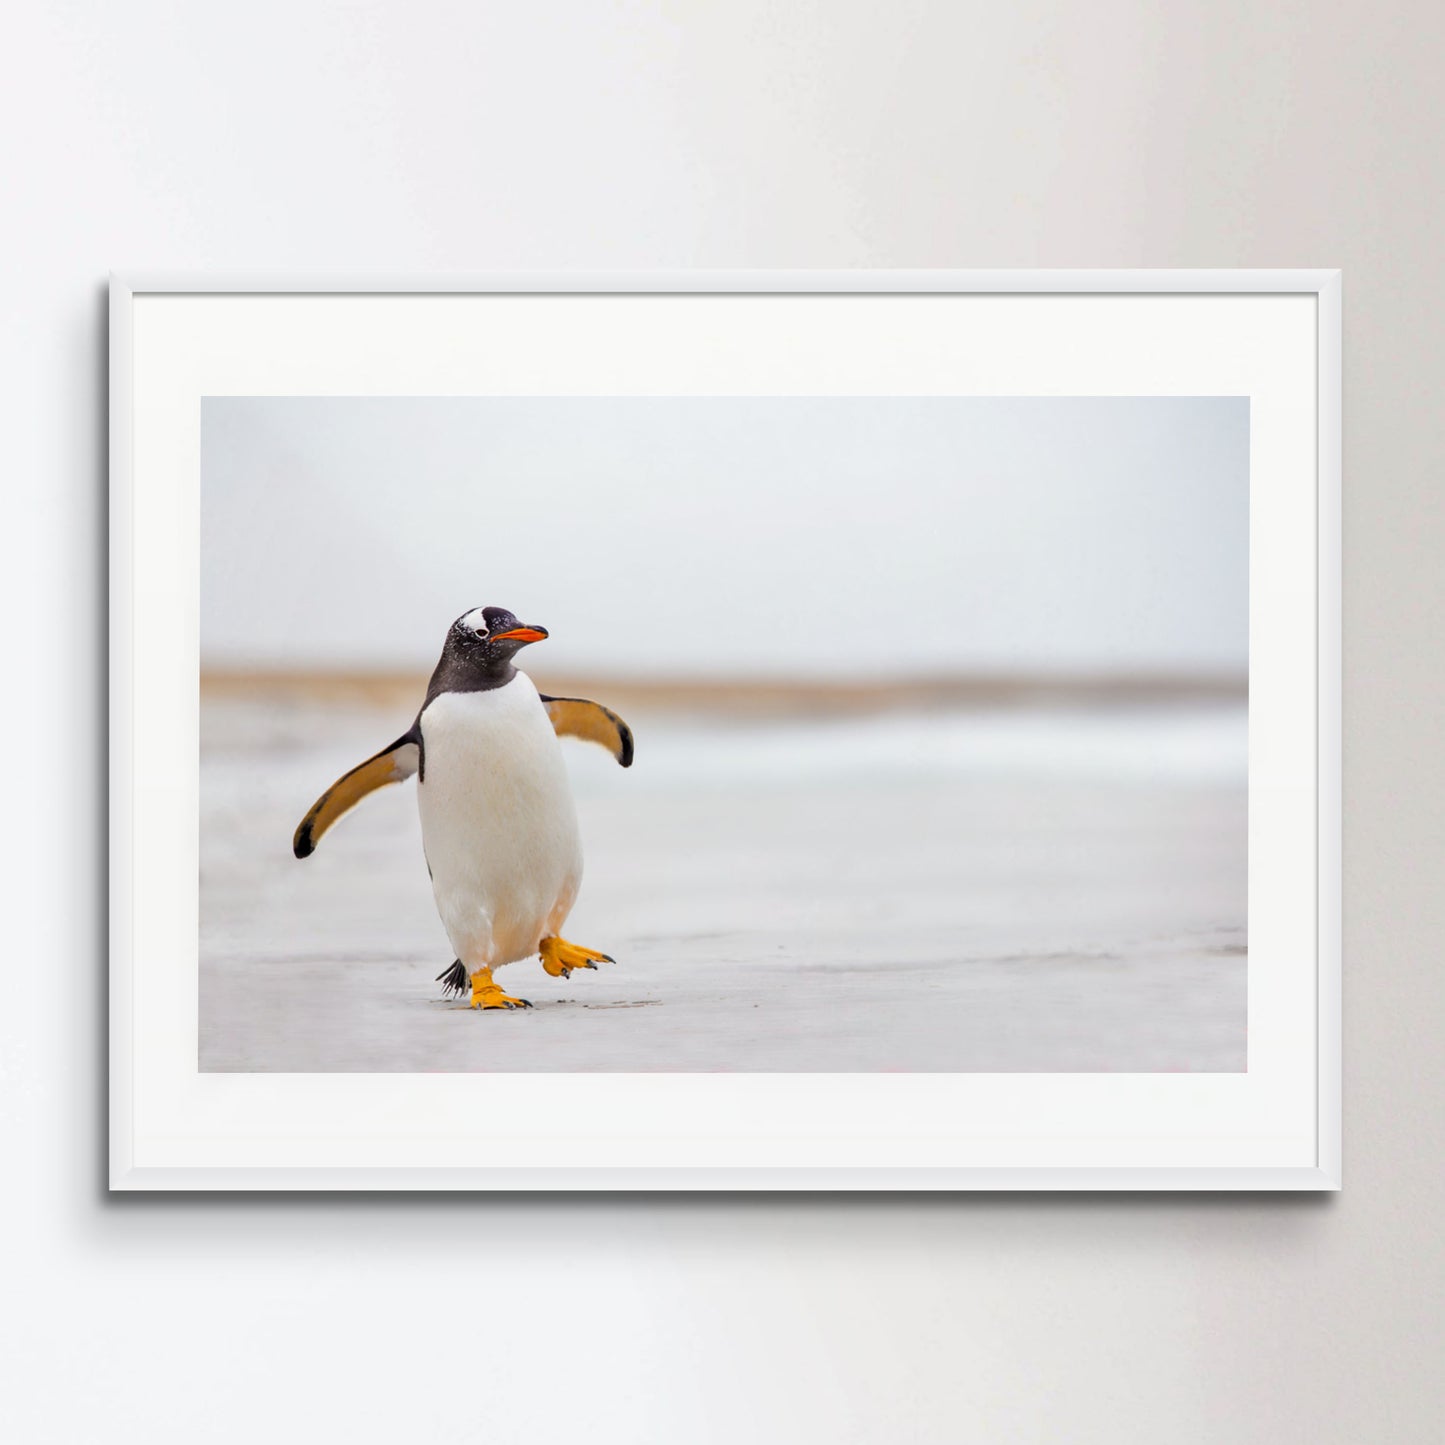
(758, 696)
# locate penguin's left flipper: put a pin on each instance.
(575, 717)
(390, 765)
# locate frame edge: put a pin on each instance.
(1329, 786)
(918, 281)
(120, 872)
(1326, 285)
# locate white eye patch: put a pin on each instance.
(476, 622)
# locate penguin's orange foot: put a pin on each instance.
(486, 994)
(559, 957)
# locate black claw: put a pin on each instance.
(607, 958)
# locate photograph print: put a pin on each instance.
(724, 734)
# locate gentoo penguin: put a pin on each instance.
(499, 827)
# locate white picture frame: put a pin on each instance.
(1274, 335)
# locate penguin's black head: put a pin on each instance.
(490, 636)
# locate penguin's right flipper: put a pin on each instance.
(390, 765)
(575, 717)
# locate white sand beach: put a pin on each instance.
(1012, 889)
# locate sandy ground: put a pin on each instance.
(1008, 891)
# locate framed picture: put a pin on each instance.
(726, 731)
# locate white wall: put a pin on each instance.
(393, 136)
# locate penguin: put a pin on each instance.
(499, 826)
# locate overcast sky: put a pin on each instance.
(732, 536)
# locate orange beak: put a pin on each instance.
(522, 634)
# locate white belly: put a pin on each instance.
(498, 822)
